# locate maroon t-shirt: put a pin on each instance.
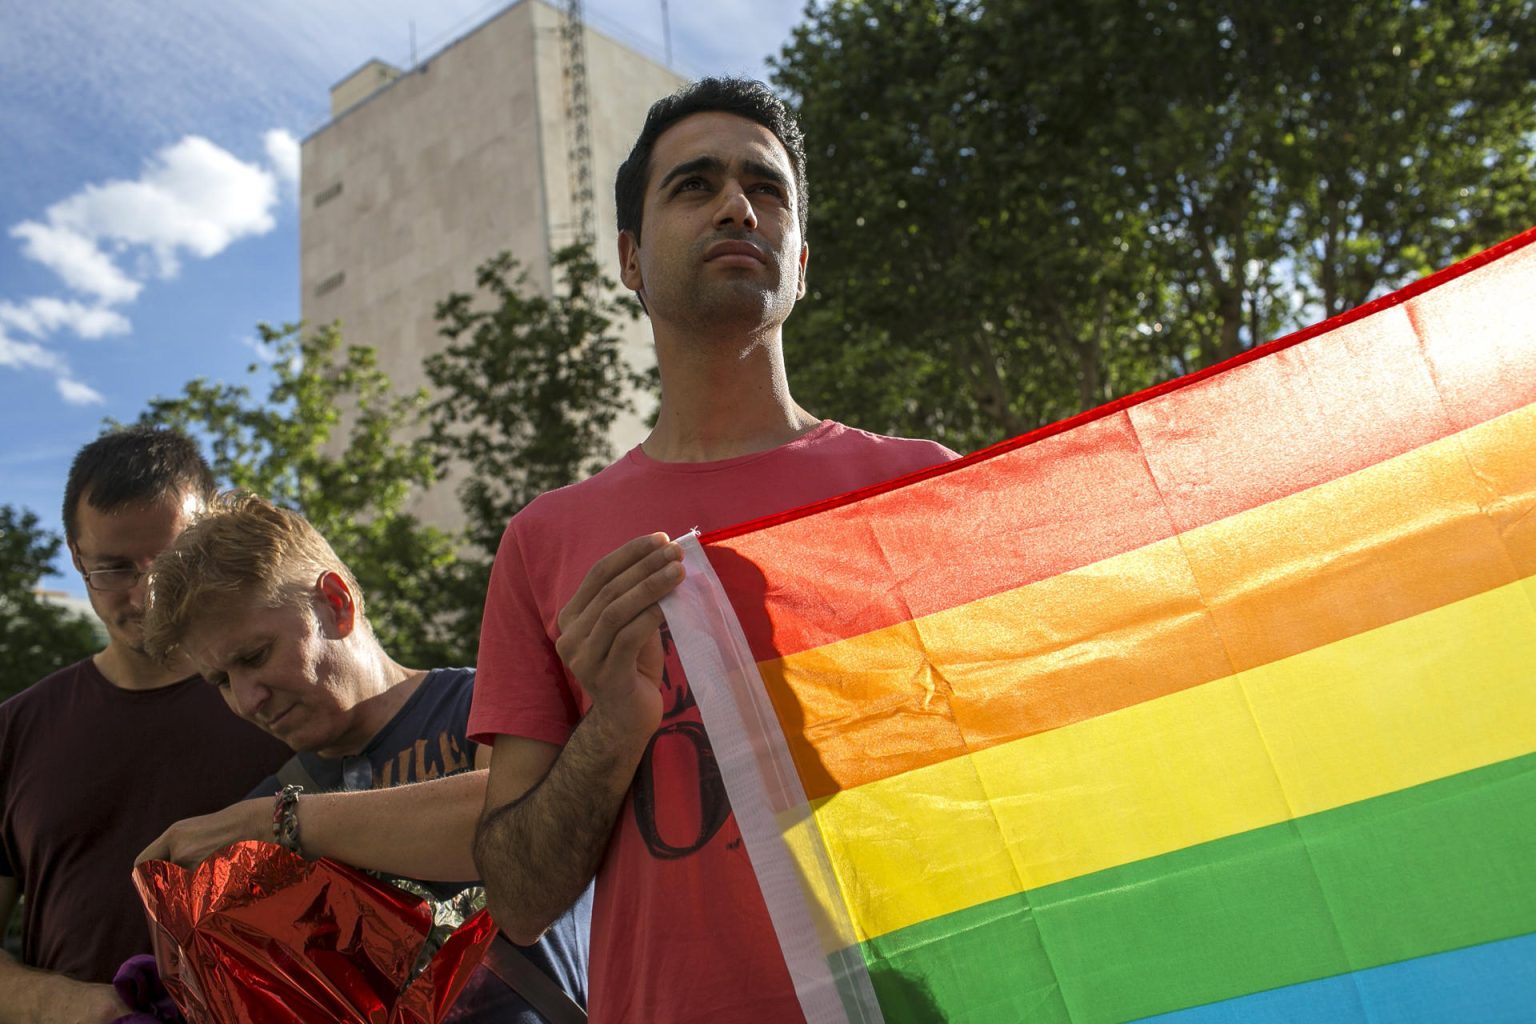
(90, 774)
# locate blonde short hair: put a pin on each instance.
(242, 547)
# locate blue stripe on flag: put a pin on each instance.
(1494, 983)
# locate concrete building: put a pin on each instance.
(422, 174)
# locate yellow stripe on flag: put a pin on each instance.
(1443, 692)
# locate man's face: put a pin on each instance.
(281, 669)
(127, 539)
(722, 245)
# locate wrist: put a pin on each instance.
(621, 724)
(285, 819)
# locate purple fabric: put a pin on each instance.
(138, 984)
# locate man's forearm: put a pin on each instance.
(421, 830)
(537, 853)
(31, 996)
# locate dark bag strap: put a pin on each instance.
(538, 989)
(293, 773)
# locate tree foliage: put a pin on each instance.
(529, 385)
(36, 637)
(331, 439)
(1023, 209)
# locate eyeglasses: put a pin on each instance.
(110, 580)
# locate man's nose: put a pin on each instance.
(138, 593)
(248, 696)
(736, 208)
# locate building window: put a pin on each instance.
(321, 198)
(330, 284)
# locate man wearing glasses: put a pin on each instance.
(99, 757)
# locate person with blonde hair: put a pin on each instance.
(384, 776)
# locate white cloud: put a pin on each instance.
(193, 198)
(76, 393)
(28, 355)
(283, 155)
(42, 315)
(77, 260)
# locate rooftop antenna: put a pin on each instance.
(413, 44)
(666, 31)
(579, 152)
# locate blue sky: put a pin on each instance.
(148, 154)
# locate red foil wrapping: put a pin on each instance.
(257, 935)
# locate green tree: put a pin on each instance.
(529, 385)
(1023, 209)
(978, 268)
(330, 438)
(36, 637)
(1313, 155)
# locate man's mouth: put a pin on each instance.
(735, 252)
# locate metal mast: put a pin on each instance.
(578, 120)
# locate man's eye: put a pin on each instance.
(770, 189)
(254, 658)
(690, 184)
(114, 579)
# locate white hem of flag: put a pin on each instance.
(767, 798)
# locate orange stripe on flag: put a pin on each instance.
(1394, 540)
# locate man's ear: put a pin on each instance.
(74, 556)
(337, 605)
(805, 257)
(629, 260)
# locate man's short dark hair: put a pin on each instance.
(743, 97)
(133, 466)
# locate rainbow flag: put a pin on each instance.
(1215, 704)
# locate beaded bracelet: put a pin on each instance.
(285, 819)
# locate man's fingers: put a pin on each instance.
(615, 576)
(632, 637)
(632, 597)
(592, 640)
(610, 568)
(619, 600)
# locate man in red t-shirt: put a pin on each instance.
(601, 765)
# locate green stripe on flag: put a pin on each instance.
(1423, 870)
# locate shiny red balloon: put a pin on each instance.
(258, 935)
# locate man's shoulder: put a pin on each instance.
(571, 525)
(843, 434)
(51, 688)
(554, 504)
(448, 683)
(440, 702)
(455, 676)
(848, 458)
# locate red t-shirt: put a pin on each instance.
(679, 929)
(90, 774)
